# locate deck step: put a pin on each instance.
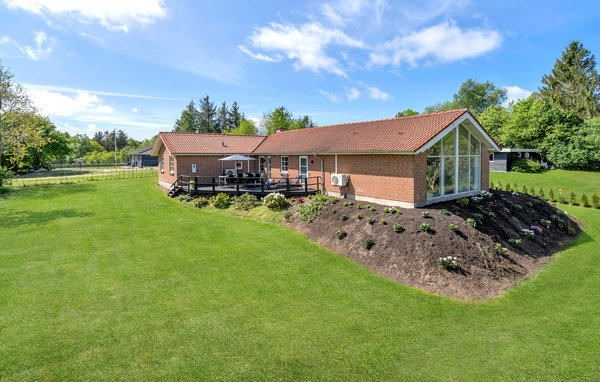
(173, 193)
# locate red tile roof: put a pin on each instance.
(405, 134)
(194, 143)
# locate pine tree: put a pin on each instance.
(189, 120)
(223, 125)
(207, 116)
(234, 116)
(574, 83)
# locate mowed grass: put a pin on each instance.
(111, 280)
(576, 181)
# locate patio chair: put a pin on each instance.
(281, 183)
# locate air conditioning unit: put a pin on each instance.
(339, 180)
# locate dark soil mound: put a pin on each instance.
(411, 257)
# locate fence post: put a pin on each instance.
(287, 186)
(262, 186)
(306, 185)
(237, 184)
(213, 185)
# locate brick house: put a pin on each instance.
(406, 162)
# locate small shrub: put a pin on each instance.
(453, 227)
(444, 212)
(398, 227)
(524, 189)
(471, 222)
(424, 227)
(345, 204)
(561, 197)
(541, 193)
(526, 165)
(526, 233)
(491, 184)
(529, 204)
(371, 221)
(515, 242)
(383, 222)
(507, 187)
(506, 210)
(478, 217)
(518, 207)
(571, 230)
(341, 233)
(344, 218)
(448, 262)
(358, 207)
(369, 243)
(245, 202)
(287, 215)
(463, 202)
(398, 212)
(583, 200)
(545, 223)
(370, 207)
(491, 214)
(531, 190)
(499, 186)
(551, 195)
(276, 201)
(572, 198)
(386, 210)
(333, 210)
(455, 208)
(221, 201)
(425, 214)
(200, 202)
(515, 187)
(595, 201)
(358, 216)
(498, 248)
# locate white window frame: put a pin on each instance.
(171, 164)
(526, 155)
(193, 168)
(239, 165)
(162, 164)
(492, 157)
(455, 157)
(261, 164)
(269, 167)
(284, 168)
(300, 166)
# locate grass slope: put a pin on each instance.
(98, 283)
(577, 181)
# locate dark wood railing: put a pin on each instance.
(254, 185)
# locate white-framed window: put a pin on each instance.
(171, 164)
(269, 167)
(491, 157)
(284, 164)
(193, 168)
(526, 155)
(454, 164)
(239, 165)
(162, 163)
(303, 166)
(261, 164)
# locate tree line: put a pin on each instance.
(207, 118)
(562, 118)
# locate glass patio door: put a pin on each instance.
(303, 170)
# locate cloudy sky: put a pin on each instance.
(135, 64)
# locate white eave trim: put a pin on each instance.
(521, 151)
(156, 148)
(480, 134)
(344, 153)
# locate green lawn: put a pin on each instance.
(111, 280)
(577, 181)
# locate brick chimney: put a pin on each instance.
(279, 130)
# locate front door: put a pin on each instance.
(303, 169)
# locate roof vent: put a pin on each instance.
(279, 130)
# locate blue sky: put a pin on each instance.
(135, 64)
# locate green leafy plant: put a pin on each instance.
(524, 189)
(245, 202)
(471, 222)
(515, 187)
(358, 207)
(529, 204)
(333, 210)
(499, 186)
(541, 193)
(448, 262)
(571, 230)
(425, 214)
(526, 165)
(383, 222)
(221, 200)
(518, 207)
(371, 221)
(531, 190)
(276, 201)
(507, 187)
(398, 227)
(444, 212)
(345, 204)
(358, 216)
(424, 227)
(551, 195)
(287, 215)
(386, 210)
(491, 214)
(506, 210)
(498, 248)
(340, 233)
(310, 210)
(453, 227)
(572, 198)
(478, 217)
(515, 242)
(463, 202)
(583, 200)
(344, 218)
(200, 202)
(398, 212)
(595, 200)
(369, 243)
(545, 223)
(491, 184)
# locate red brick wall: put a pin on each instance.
(164, 176)
(485, 168)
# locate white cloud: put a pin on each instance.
(353, 94)
(44, 45)
(377, 93)
(134, 110)
(91, 127)
(63, 89)
(445, 42)
(515, 93)
(61, 105)
(259, 56)
(342, 12)
(92, 37)
(112, 14)
(305, 44)
(332, 97)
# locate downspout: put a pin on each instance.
(322, 174)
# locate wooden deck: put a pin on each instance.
(254, 190)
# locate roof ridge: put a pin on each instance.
(209, 134)
(375, 120)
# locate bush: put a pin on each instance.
(491, 184)
(541, 193)
(507, 187)
(386, 210)
(398, 227)
(425, 214)
(453, 227)
(499, 186)
(371, 221)
(424, 227)
(515, 242)
(572, 198)
(448, 262)
(498, 248)
(341, 233)
(524, 189)
(531, 190)
(200, 202)
(518, 207)
(4, 190)
(478, 217)
(333, 210)
(358, 207)
(369, 243)
(287, 215)
(471, 222)
(358, 216)
(383, 222)
(561, 197)
(583, 200)
(545, 223)
(245, 202)
(463, 202)
(344, 218)
(571, 230)
(506, 210)
(551, 195)
(595, 201)
(221, 201)
(444, 212)
(276, 201)
(527, 165)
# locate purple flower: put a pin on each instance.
(535, 227)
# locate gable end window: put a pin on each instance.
(284, 164)
(162, 163)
